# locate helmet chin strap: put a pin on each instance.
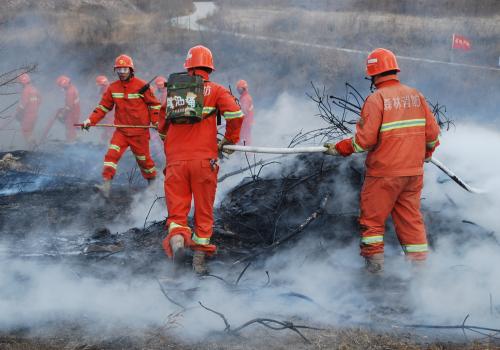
(372, 83)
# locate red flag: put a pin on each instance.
(460, 42)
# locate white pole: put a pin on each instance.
(276, 150)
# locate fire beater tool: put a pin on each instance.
(321, 149)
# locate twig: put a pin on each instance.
(168, 298)
(149, 211)
(242, 273)
(228, 326)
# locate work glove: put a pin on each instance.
(330, 149)
(222, 143)
(345, 147)
(86, 124)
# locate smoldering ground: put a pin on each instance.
(316, 281)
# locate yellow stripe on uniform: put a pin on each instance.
(430, 145)
(174, 225)
(415, 248)
(200, 240)
(133, 96)
(357, 148)
(114, 147)
(117, 95)
(140, 157)
(103, 108)
(111, 164)
(155, 107)
(400, 124)
(208, 110)
(372, 239)
(233, 115)
(149, 171)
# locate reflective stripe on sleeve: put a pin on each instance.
(149, 171)
(400, 124)
(111, 164)
(103, 108)
(430, 145)
(140, 157)
(200, 240)
(114, 147)
(158, 107)
(117, 95)
(372, 239)
(415, 248)
(134, 96)
(357, 148)
(233, 115)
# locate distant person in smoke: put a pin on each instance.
(161, 89)
(133, 108)
(27, 109)
(399, 132)
(246, 103)
(191, 151)
(102, 83)
(70, 113)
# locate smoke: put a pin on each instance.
(314, 281)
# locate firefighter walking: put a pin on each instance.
(246, 103)
(191, 150)
(134, 108)
(70, 113)
(399, 132)
(27, 109)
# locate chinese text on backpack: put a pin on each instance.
(184, 98)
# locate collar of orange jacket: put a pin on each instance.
(386, 80)
(199, 72)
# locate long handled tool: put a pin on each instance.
(121, 126)
(320, 149)
(455, 178)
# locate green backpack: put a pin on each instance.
(184, 98)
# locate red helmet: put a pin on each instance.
(160, 82)
(124, 61)
(63, 81)
(242, 85)
(101, 80)
(24, 79)
(199, 56)
(380, 61)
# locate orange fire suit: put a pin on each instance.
(27, 110)
(396, 128)
(246, 103)
(71, 111)
(191, 153)
(131, 108)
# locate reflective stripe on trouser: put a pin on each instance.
(399, 197)
(184, 181)
(139, 144)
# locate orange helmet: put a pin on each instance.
(101, 80)
(160, 82)
(199, 56)
(242, 85)
(63, 81)
(124, 61)
(380, 61)
(24, 79)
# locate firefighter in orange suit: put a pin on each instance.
(102, 83)
(246, 104)
(191, 152)
(70, 113)
(399, 132)
(161, 89)
(134, 108)
(27, 110)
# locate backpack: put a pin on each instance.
(184, 98)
